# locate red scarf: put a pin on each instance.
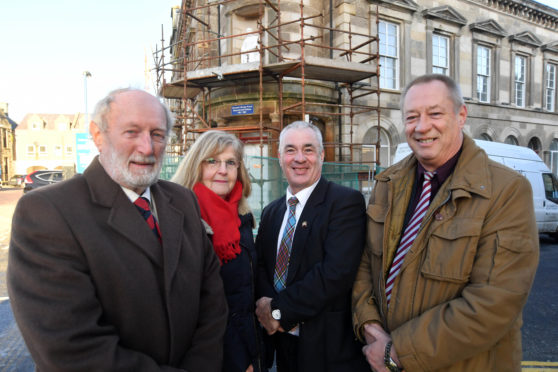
(222, 215)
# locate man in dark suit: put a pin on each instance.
(97, 285)
(309, 249)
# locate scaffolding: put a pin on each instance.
(293, 51)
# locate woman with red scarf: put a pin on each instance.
(213, 168)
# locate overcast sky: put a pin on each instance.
(46, 45)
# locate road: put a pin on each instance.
(540, 338)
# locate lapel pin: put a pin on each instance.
(304, 224)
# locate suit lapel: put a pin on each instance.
(123, 216)
(171, 221)
(303, 226)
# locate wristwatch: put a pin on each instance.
(275, 312)
(388, 360)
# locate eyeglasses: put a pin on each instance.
(231, 164)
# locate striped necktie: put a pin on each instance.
(410, 233)
(142, 204)
(282, 263)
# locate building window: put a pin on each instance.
(550, 91)
(58, 150)
(440, 54)
(31, 150)
(485, 137)
(535, 145)
(389, 55)
(511, 140)
(35, 125)
(42, 150)
(69, 151)
(519, 80)
(483, 73)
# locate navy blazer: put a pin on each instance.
(326, 251)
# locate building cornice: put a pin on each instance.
(526, 38)
(527, 9)
(550, 47)
(446, 13)
(403, 4)
(489, 27)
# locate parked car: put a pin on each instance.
(17, 180)
(42, 178)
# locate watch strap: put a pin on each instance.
(388, 361)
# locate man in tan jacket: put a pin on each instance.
(451, 250)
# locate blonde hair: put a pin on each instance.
(210, 144)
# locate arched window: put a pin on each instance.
(554, 156)
(368, 152)
(485, 137)
(535, 145)
(511, 140)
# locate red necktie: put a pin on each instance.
(142, 204)
(410, 233)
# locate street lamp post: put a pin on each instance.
(86, 74)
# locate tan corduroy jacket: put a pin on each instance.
(456, 304)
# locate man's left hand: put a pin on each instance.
(374, 351)
(263, 312)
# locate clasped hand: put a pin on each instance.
(263, 312)
(374, 350)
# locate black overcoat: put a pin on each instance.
(326, 251)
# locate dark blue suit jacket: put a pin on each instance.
(326, 251)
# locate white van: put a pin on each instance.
(528, 163)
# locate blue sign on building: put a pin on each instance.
(85, 151)
(242, 109)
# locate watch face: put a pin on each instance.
(391, 366)
(276, 314)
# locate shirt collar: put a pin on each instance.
(132, 195)
(444, 171)
(303, 195)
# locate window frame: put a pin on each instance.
(517, 83)
(548, 89)
(445, 70)
(396, 58)
(487, 76)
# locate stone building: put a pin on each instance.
(7, 144)
(47, 141)
(343, 63)
(504, 54)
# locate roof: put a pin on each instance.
(5, 118)
(49, 121)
